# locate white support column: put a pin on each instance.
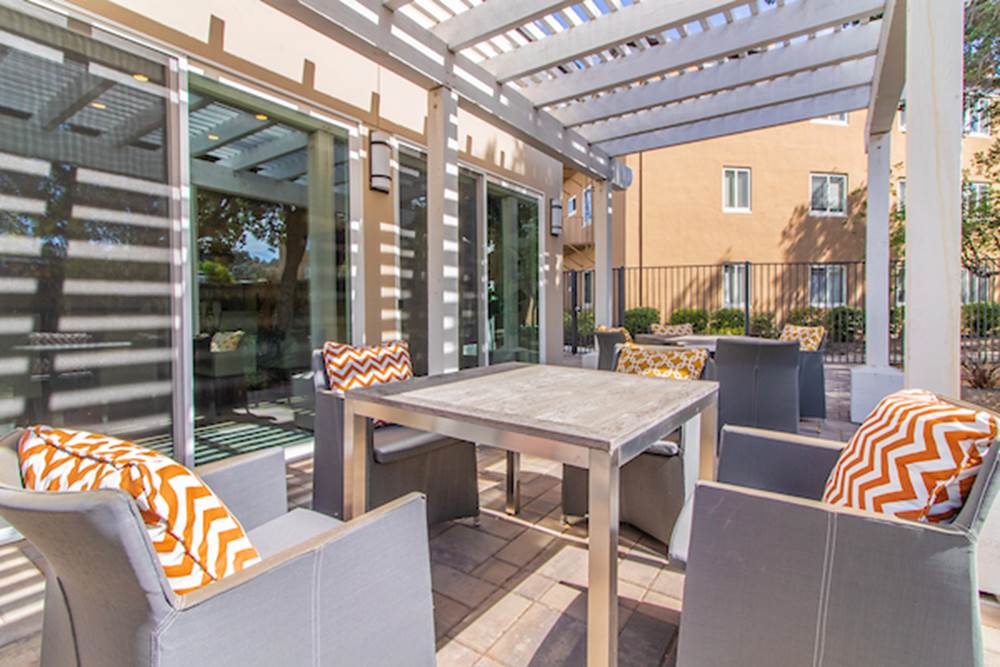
(933, 194)
(603, 279)
(442, 231)
(876, 379)
(322, 240)
(356, 236)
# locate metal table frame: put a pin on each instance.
(698, 431)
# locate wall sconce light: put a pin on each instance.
(379, 158)
(555, 216)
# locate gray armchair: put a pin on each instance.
(606, 348)
(758, 383)
(326, 592)
(400, 460)
(812, 383)
(777, 577)
(653, 485)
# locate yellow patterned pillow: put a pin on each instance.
(226, 341)
(622, 330)
(809, 338)
(672, 329)
(664, 362)
(196, 539)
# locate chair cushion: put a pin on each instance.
(352, 367)
(395, 443)
(672, 329)
(289, 530)
(196, 539)
(622, 330)
(809, 338)
(916, 456)
(661, 361)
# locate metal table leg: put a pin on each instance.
(513, 483)
(355, 460)
(602, 581)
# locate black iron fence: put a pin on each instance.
(760, 298)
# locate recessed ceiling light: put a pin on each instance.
(261, 116)
(139, 76)
(213, 136)
(99, 105)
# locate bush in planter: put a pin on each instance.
(845, 324)
(584, 325)
(726, 321)
(981, 318)
(696, 317)
(638, 320)
(807, 317)
(762, 325)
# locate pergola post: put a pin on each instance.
(876, 379)
(442, 231)
(603, 278)
(933, 195)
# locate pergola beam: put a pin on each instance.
(788, 89)
(231, 130)
(782, 114)
(890, 70)
(625, 25)
(266, 152)
(74, 96)
(245, 184)
(843, 46)
(493, 18)
(716, 44)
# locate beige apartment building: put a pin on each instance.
(789, 199)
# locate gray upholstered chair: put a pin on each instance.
(653, 485)
(758, 383)
(606, 342)
(812, 383)
(777, 577)
(400, 460)
(326, 592)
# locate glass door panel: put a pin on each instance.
(512, 291)
(469, 258)
(413, 255)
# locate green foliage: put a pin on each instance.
(845, 324)
(696, 317)
(897, 318)
(762, 325)
(981, 318)
(807, 317)
(215, 272)
(638, 320)
(584, 325)
(726, 321)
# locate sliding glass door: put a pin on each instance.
(470, 284)
(412, 299)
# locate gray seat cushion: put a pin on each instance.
(395, 443)
(664, 448)
(289, 530)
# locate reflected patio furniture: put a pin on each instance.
(758, 383)
(225, 373)
(326, 592)
(401, 460)
(775, 576)
(654, 485)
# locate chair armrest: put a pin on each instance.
(779, 580)
(252, 486)
(359, 594)
(788, 463)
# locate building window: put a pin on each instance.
(588, 289)
(571, 206)
(734, 285)
(832, 119)
(827, 285)
(902, 117)
(735, 190)
(977, 118)
(975, 197)
(901, 195)
(975, 288)
(828, 194)
(588, 206)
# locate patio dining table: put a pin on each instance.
(708, 342)
(582, 417)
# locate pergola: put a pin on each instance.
(589, 81)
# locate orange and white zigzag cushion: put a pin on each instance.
(809, 338)
(915, 456)
(672, 329)
(622, 330)
(665, 362)
(352, 367)
(194, 536)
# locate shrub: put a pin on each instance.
(584, 325)
(980, 373)
(696, 317)
(845, 324)
(807, 317)
(726, 321)
(981, 318)
(897, 318)
(638, 320)
(762, 325)
(215, 272)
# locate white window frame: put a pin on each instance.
(839, 119)
(975, 193)
(976, 120)
(571, 206)
(828, 301)
(975, 289)
(901, 194)
(588, 206)
(734, 271)
(588, 276)
(902, 118)
(738, 209)
(827, 212)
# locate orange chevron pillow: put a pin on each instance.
(194, 536)
(352, 367)
(916, 456)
